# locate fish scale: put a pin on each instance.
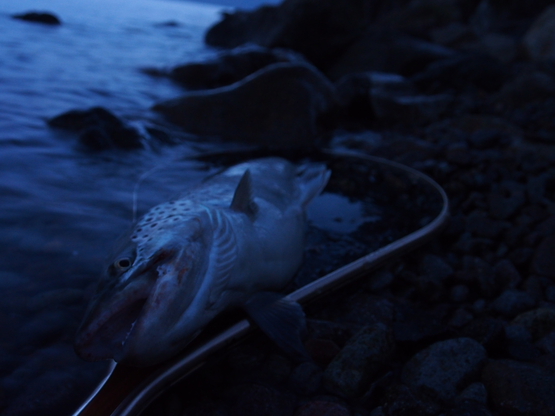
(230, 242)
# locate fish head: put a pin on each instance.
(145, 289)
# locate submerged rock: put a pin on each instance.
(278, 106)
(230, 67)
(39, 17)
(98, 129)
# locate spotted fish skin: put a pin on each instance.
(238, 234)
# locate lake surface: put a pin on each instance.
(63, 207)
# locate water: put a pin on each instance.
(62, 207)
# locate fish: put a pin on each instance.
(233, 241)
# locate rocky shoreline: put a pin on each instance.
(465, 92)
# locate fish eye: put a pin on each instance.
(123, 264)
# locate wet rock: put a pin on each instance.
(539, 322)
(39, 17)
(363, 356)
(543, 262)
(444, 368)
(500, 46)
(402, 400)
(387, 51)
(469, 408)
(256, 399)
(410, 108)
(506, 274)
(230, 67)
(512, 302)
(306, 379)
(317, 29)
(98, 129)
(461, 72)
(419, 16)
(321, 407)
(519, 389)
(322, 351)
(435, 267)
(527, 87)
(539, 41)
(475, 392)
(278, 106)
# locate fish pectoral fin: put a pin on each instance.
(282, 320)
(242, 199)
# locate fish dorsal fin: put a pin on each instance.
(223, 256)
(242, 199)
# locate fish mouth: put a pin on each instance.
(106, 331)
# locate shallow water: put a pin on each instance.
(62, 207)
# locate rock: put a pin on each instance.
(539, 322)
(278, 106)
(500, 46)
(306, 378)
(39, 17)
(469, 408)
(402, 400)
(507, 275)
(539, 40)
(319, 29)
(387, 51)
(410, 108)
(512, 302)
(444, 368)
(463, 71)
(527, 87)
(257, 399)
(363, 356)
(98, 129)
(45, 328)
(543, 262)
(519, 389)
(322, 351)
(475, 392)
(320, 407)
(230, 66)
(435, 267)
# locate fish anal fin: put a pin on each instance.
(242, 199)
(282, 320)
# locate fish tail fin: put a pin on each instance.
(312, 179)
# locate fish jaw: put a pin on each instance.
(130, 322)
(110, 320)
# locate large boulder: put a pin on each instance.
(278, 106)
(388, 51)
(319, 29)
(230, 66)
